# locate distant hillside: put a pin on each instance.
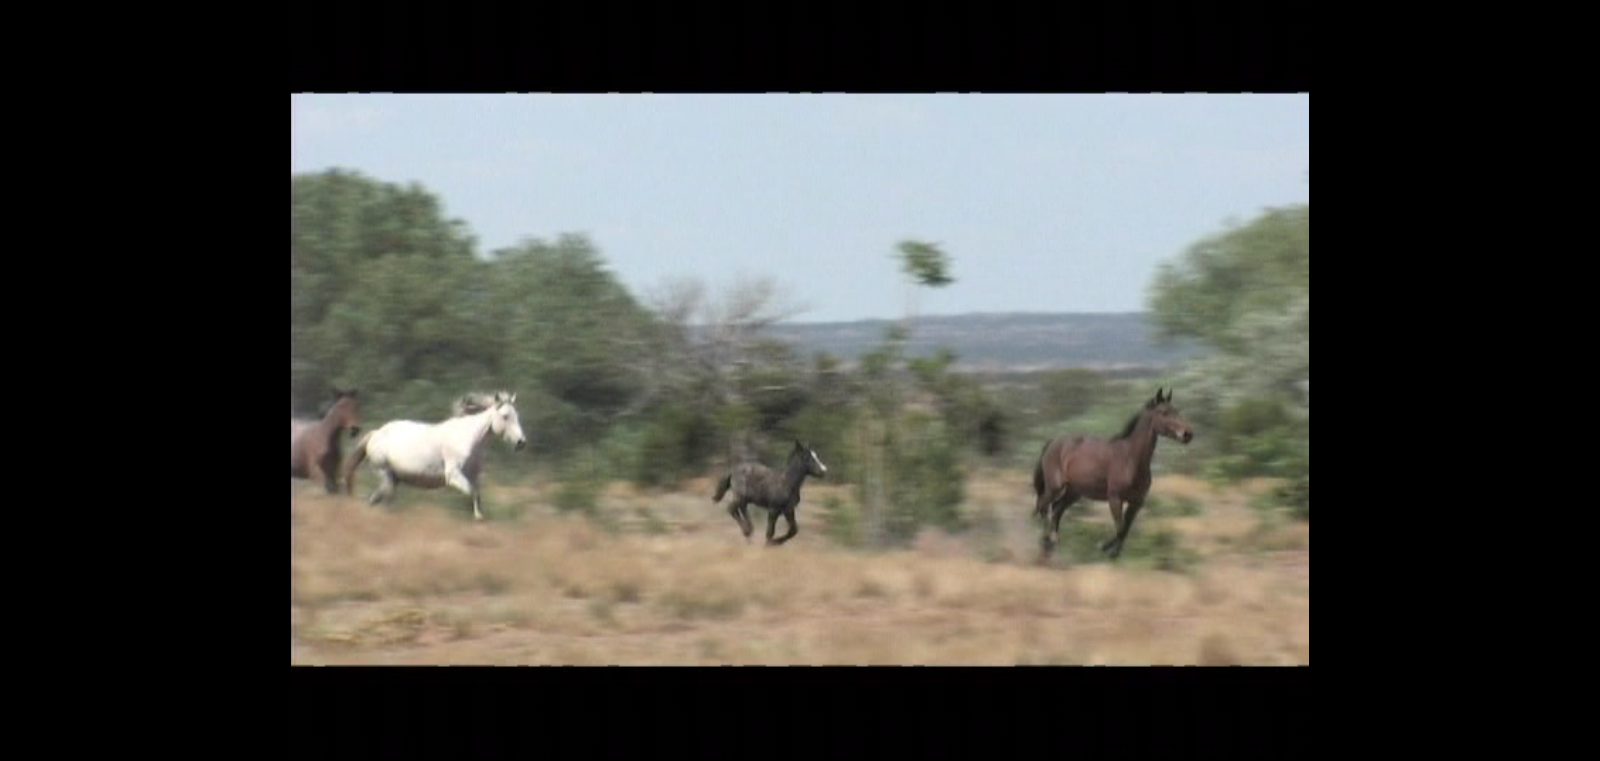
(1006, 342)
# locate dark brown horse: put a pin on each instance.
(1115, 471)
(314, 452)
(756, 484)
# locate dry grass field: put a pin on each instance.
(667, 579)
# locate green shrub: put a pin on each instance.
(841, 522)
(581, 481)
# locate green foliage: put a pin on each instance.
(576, 333)
(972, 414)
(1256, 437)
(775, 384)
(582, 479)
(1247, 292)
(827, 429)
(1292, 498)
(1157, 547)
(1296, 495)
(1148, 545)
(1258, 268)
(1172, 507)
(841, 521)
(386, 295)
(925, 480)
(677, 443)
(1068, 393)
(924, 263)
(379, 285)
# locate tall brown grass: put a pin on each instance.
(669, 580)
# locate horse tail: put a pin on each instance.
(1038, 478)
(722, 487)
(357, 455)
(1038, 471)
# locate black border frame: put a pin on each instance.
(701, 711)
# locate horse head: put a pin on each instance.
(814, 466)
(1168, 420)
(346, 410)
(504, 420)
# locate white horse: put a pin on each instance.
(434, 455)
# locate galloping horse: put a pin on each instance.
(434, 455)
(1073, 466)
(314, 444)
(757, 484)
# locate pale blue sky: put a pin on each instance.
(1051, 203)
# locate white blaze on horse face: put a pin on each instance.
(818, 461)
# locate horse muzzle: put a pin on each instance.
(520, 444)
(1188, 436)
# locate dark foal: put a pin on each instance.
(756, 484)
(1115, 471)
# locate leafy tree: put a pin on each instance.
(910, 474)
(1247, 292)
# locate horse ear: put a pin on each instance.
(513, 399)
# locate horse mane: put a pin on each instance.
(474, 402)
(1127, 430)
(328, 406)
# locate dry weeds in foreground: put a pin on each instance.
(422, 587)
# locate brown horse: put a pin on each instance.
(314, 452)
(1115, 471)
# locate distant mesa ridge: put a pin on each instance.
(1005, 341)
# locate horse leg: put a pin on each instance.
(1115, 501)
(315, 473)
(1127, 525)
(1047, 539)
(788, 515)
(736, 509)
(1057, 510)
(748, 525)
(772, 524)
(1042, 504)
(459, 482)
(385, 489)
(330, 474)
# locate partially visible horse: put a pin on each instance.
(314, 451)
(1115, 471)
(756, 484)
(435, 455)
